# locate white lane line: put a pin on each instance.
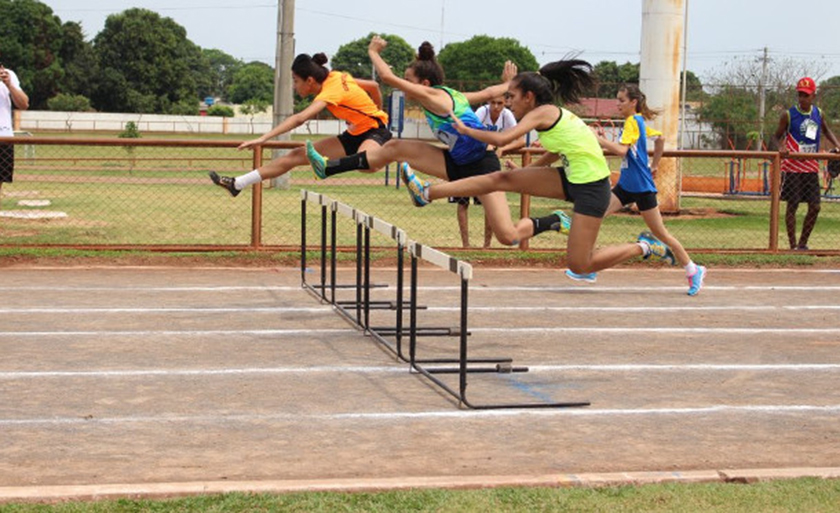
(833, 409)
(203, 372)
(64, 288)
(474, 288)
(671, 330)
(328, 308)
(103, 310)
(373, 369)
(507, 330)
(171, 333)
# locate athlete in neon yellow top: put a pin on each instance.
(585, 182)
(356, 101)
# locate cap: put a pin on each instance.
(806, 85)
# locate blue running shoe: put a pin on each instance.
(657, 248)
(695, 281)
(316, 160)
(415, 187)
(565, 223)
(588, 277)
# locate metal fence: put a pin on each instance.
(155, 194)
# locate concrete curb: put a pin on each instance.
(65, 493)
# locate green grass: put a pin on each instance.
(170, 201)
(797, 495)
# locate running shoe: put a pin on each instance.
(588, 277)
(565, 223)
(316, 160)
(414, 185)
(657, 248)
(695, 281)
(225, 182)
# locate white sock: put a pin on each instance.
(645, 248)
(425, 193)
(247, 179)
(691, 268)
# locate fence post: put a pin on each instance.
(775, 192)
(525, 200)
(256, 202)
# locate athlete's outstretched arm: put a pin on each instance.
(288, 124)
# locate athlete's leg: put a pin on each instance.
(497, 213)
(653, 220)
(543, 182)
(464, 223)
(582, 257)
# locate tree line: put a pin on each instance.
(141, 62)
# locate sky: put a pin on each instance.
(719, 31)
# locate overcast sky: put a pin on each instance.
(718, 30)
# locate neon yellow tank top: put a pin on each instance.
(576, 144)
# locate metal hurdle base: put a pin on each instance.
(357, 311)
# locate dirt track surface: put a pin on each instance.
(144, 375)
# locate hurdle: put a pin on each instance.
(357, 311)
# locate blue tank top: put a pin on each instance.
(635, 166)
(462, 149)
(803, 136)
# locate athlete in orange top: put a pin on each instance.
(356, 101)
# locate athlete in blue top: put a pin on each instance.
(636, 185)
(463, 156)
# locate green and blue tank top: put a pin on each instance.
(462, 149)
(580, 153)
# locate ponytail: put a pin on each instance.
(565, 80)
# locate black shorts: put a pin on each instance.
(7, 162)
(643, 200)
(351, 143)
(461, 200)
(801, 187)
(483, 166)
(589, 199)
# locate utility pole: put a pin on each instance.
(283, 58)
(762, 84)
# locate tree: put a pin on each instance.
(222, 69)
(30, 40)
(611, 76)
(151, 57)
(79, 61)
(829, 100)
(736, 88)
(253, 81)
(69, 103)
(470, 65)
(353, 56)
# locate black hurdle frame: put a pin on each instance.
(357, 311)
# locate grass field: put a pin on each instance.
(798, 495)
(161, 195)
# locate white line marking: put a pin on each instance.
(202, 372)
(671, 330)
(322, 309)
(289, 332)
(425, 415)
(371, 369)
(169, 333)
(474, 288)
(328, 308)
